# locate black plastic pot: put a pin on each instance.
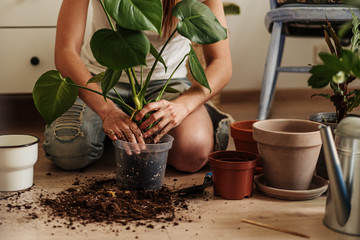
(144, 170)
(328, 119)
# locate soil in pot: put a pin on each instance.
(144, 170)
(233, 173)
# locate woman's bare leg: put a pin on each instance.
(193, 142)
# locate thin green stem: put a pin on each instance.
(123, 105)
(135, 78)
(143, 89)
(136, 98)
(118, 95)
(121, 102)
(141, 75)
(89, 89)
(107, 15)
(167, 82)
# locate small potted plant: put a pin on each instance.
(54, 95)
(339, 69)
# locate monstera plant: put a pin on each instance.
(54, 94)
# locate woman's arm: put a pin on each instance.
(218, 73)
(219, 67)
(69, 40)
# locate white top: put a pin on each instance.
(174, 52)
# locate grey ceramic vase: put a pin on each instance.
(289, 149)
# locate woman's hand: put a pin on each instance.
(165, 116)
(118, 125)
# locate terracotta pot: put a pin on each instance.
(242, 134)
(289, 149)
(233, 173)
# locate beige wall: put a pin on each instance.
(249, 42)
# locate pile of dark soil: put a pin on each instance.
(103, 201)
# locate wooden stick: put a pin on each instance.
(275, 228)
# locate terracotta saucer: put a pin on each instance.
(317, 187)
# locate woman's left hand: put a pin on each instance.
(165, 114)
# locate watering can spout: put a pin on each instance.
(338, 187)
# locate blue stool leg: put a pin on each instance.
(273, 60)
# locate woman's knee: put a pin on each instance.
(74, 142)
(190, 162)
(191, 155)
(193, 142)
(71, 155)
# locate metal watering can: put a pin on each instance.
(342, 159)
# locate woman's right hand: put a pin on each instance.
(118, 125)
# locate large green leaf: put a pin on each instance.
(111, 77)
(351, 61)
(321, 76)
(196, 69)
(136, 14)
(332, 62)
(121, 49)
(53, 95)
(198, 23)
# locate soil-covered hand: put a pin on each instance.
(118, 125)
(165, 115)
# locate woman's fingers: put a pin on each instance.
(161, 133)
(117, 125)
(164, 116)
(111, 134)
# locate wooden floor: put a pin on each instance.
(208, 217)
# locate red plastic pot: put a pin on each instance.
(233, 173)
(242, 134)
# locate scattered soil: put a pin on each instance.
(103, 201)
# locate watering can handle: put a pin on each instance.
(338, 187)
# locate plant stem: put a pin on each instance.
(141, 75)
(135, 78)
(143, 89)
(107, 15)
(167, 82)
(120, 101)
(136, 98)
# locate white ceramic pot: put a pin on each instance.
(18, 155)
